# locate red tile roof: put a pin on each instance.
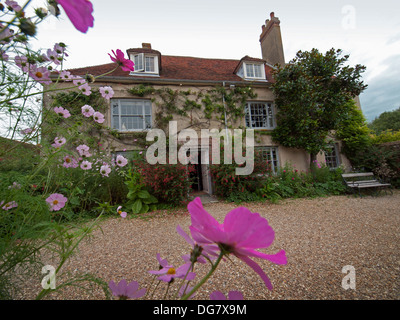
(181, 68)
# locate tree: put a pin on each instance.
(354, 134)
(311, 93)
(386, 121)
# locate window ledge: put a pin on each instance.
(144, 74)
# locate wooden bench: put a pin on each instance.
(364, 181)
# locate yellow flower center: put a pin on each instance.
(171, 271)
(119, 211)
(39, 74)
(68, 160)
(55, 202)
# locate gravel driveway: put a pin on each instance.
(320, 237)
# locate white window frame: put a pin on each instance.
(117, 103)
(332, 156)
(140, 67)
(250, 116)
(272, 156)
(252, 65)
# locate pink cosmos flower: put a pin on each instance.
(6, 34)
(86, 165)
(83, 150)
(241, 233)
(125, 64)
(62, 112)
(168, 272)
(87, 111)
(78, 81)
(66, 75)
(9, 205)
(198, 251)
(232, 295)
(98, 117)
(60, 49)
(121, 213)
(56, 201)
(86, 89)
(105, 170)
(126, 291)
(106, 92)
(53, 56)
(70, 162)
(79, 13)
(121, 161)
(59, 141)
(40, 74)
(14, 5)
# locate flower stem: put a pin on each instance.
(202, 281)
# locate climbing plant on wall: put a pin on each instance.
(214, 104)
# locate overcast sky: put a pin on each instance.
(367, 30)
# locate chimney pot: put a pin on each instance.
(146, 45)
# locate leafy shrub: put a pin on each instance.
(383, 160)
(139, 199)
(169, 183)
(227, 183)
(291, 183)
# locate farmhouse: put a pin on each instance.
(200, 93)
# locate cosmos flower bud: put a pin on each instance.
(41, 12)
(89, 78)
(27, 27)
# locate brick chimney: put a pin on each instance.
(271, 41)
(146, 45)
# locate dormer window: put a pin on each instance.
(145, 63)
(254, 71)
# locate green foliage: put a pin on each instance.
(312, 94)
(386, 136)
(184, 103)
(169, 183)
(139, 199)
(353, 132)
(141, 90)
(383, 160)
(388, 120)
(290, 183)
(230, 186)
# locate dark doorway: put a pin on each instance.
(197, 175)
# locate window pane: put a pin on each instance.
(134, 115)
(149, 64)
(257, 71)
(147, 108)
(115, 122)
(270, 154)
(115, 108)
(259, 115)
(138, 60)
(249, 70)
(147, 120)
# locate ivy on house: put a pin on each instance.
(214, 104)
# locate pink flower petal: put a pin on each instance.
(258, 270)
(79, 13)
